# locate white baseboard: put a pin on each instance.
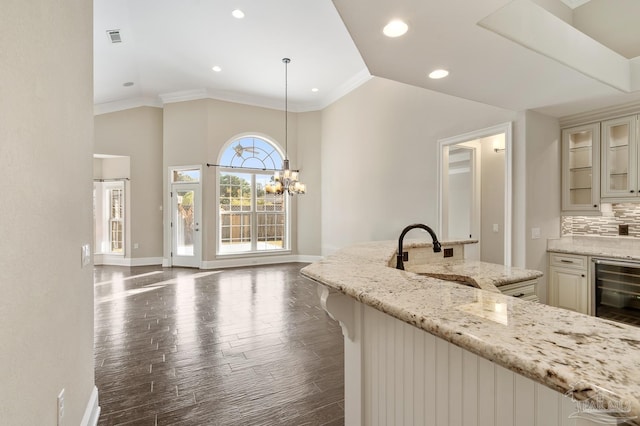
(105, 259)
(256, 261)
(145, 261)
(92, 412)
(308, 259)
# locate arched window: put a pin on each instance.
(251, 220)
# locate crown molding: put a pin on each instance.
(573, 4)
(245, 99)
(226, 96)
(121, 105)
(348, 86)
(600, 114)
(183, 96)
(240, 98)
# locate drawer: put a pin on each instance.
(525, 290)
(568, 261)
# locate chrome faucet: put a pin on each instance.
(436, 245)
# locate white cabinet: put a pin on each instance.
(569, 282)
(581, 168)
(620, 158)
(525, 290)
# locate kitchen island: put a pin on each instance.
(421, 350)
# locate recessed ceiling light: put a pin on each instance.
(128, 84)
(395, 28)
(238, 14)
(216, 68)
(315, 89)
(436, 74)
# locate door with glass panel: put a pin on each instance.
(619, 158)
(581, 168)
(186, 232)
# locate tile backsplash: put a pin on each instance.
(607, 224)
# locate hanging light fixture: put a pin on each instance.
(286, 180)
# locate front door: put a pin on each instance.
(186, 241)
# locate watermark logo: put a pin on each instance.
(598, 405)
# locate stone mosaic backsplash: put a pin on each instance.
(607, 224)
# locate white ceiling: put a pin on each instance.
(169, 47)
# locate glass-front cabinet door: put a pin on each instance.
(581, 168)
(619, 158)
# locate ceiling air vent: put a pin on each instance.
(114, 36)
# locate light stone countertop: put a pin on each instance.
(571, 353)
(613, 247)
(482, 275)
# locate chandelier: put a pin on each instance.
(286, 180)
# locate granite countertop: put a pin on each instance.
(482, 275)
(571, 353)
(613, 247)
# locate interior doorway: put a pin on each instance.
(474, 171)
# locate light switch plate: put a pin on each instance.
(496, 227)
(535, 233)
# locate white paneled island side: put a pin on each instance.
(422, 350)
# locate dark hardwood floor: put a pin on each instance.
(246, 346)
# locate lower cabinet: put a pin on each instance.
(525, 290)
(569, 282)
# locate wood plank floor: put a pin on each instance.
(246, 346)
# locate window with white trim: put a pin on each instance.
(250, 219)
(115, 218)
(109, 215)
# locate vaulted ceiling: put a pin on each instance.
(512, 54)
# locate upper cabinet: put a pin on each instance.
(581, 168)
(620, 158)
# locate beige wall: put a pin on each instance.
(113, 168)
(309, 162)
(492, 202)
(137, 134)
(542, 190)
(195, 133)
(46, 309)
(383, 137)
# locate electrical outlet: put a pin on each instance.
(448, 252)
(61, 408)
(86, 255)
(623, 229)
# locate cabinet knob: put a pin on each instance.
(632, 191)
(595, 205)
(582, 275)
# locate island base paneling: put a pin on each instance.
(397, 374)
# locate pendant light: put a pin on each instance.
(286, 180)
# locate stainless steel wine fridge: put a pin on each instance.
(616, 290)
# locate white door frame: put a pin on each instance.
(507, 129)
(196, 261)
